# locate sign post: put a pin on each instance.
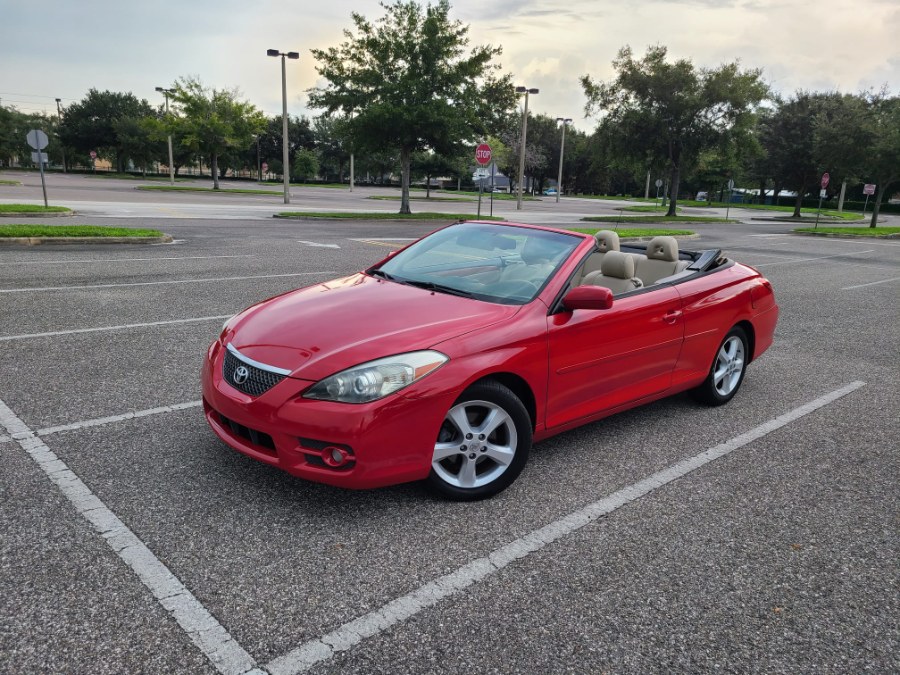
(658, 185)
(38, 140)
(822, 193)
(94, 161)
(483, 157)
(265, 169)
(868, 191)
(728, 203)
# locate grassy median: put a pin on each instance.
(189, 188)
(853, 231)
(638, 232)
(382, 215)
(13, 209)
(74, 231)
(656, 219)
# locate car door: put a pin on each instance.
(601, 359)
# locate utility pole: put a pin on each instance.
(62, 147)
(284, 120)
(562, 148)
(526, 91)
(166, 92)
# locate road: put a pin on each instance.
(132, 540)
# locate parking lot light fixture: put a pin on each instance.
(526, 91)
(62, 147)
(285, 155)
(562, 148)
(171, 159)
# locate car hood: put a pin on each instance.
(319, 330)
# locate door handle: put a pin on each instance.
(672, 317)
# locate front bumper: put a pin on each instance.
(387, 441)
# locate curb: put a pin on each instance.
(796, 221)
(845, 235)
(683, 237)
(32, 214)
(378, 220)
(37, 241)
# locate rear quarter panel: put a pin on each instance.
(712, 304)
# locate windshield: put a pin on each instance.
(497, 263)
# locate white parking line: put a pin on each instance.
(115, 260)
(369, 625)
(100, 421)
(873, 283)
(162, 283)
(803, 260)
(202, 628)
(7, 338)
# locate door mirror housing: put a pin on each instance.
(588, 297)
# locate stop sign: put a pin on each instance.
(265, 167)
(483, 154)
(93, 154)
(825, 179)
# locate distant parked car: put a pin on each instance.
(550, 192)
(702, 197)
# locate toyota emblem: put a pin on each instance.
(240, 375)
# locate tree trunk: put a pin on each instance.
(762, 191)
(214, 168)
(405, 156)
(427, 186)
(673, 190)
(776, 190)
(798, 203)
(881, 190)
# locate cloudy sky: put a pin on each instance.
(61, 48)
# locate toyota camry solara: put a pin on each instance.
(446, 361)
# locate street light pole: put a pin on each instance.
(63, 147)
(166, 92)
(562, 148)
(285, 155)
(526, 91)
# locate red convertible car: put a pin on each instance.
(447, 360)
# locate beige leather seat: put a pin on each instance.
(662, 260)
(616, 273)
(537, 255)
(607, 240)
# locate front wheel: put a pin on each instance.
(727, 371)
(482, 444)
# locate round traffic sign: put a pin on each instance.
(93, 154)
(265, 166)
(37, 139)
(483, 154)
(658, 182)
(731, 183)
(825, 179)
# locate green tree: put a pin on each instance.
(139, 141)
(883, 158)
(332, 142)
(90, 124)
(306, 165)
(214, 121)
(411, 83)
(674, 110)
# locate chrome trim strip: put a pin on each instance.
(256, 364)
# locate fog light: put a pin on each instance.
(334, 457)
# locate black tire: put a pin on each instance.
(515, 432)
(715, 394)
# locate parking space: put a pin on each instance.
(758, 560)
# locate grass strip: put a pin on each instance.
(31, 208)
(638, 232)
(656, 219)
(501, 196)
(395, 198)
(647, 209)
(382, 215)
(855, 231)
(9, 182)
(188, 188)
(74, 231)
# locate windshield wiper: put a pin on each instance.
(431, 286)
(383, 275)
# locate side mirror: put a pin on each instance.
(588, 297)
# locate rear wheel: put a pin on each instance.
(482, 444)
(727, 371)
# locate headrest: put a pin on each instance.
(618, 265)
(607, 240)
(663, 248)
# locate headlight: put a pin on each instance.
(376, 379)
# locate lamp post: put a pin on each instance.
(562, 147)
(526, 91)
(285, 156)
(166, 92)
(62, 147)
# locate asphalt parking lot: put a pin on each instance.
(132, 540)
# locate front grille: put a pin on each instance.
(258, 381)
(258, 438)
